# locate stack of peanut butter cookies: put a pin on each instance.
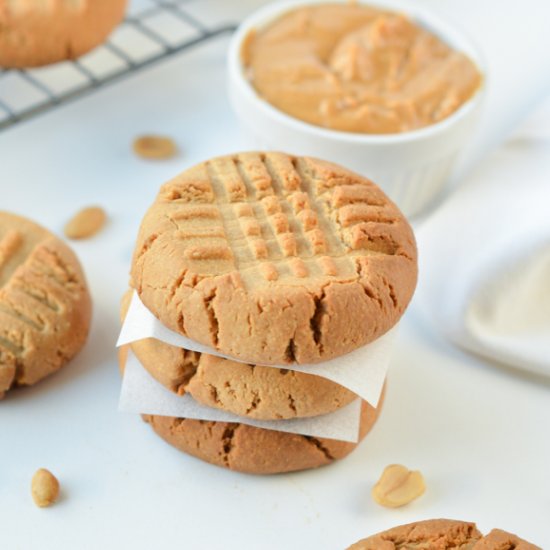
(271, 260)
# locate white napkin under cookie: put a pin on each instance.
(485, 254)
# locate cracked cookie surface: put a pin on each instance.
(501, 540)
(275, 259)
(433, 534)
(248, 449)
(442, 534)
(45, 306)
(36, 33)
(265, 393)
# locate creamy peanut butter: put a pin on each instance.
(356, 68)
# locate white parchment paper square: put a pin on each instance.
(142, 394)
(362, 371)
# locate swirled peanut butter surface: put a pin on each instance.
(355, 68)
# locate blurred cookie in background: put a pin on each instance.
(35, 33)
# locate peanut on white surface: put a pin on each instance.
(86, 223)
(154, 147)
(398, 486)
(44, 488)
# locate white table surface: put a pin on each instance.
(478, 432)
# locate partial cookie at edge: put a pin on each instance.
(433, 534)
(501, 540)
(442, 534)
(45, 307)
(33, 35)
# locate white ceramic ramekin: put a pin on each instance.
(412, 167)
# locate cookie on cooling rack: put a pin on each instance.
(34, 33)
(45, 307)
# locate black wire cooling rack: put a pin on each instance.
(152, 31)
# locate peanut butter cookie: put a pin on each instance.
(501, 540)
(248, 449)
(45, 306)
(442, 534)
(264, 393)
(275, 259)
(433, 534)
(34, 32)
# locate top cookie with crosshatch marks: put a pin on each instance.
(275, 259)
(45, 306)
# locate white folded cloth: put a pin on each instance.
(485, 254)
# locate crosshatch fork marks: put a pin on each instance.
(12, 347)
(12, 312)
(273, 220)
(288, 280)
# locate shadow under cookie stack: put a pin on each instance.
(273, 263)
